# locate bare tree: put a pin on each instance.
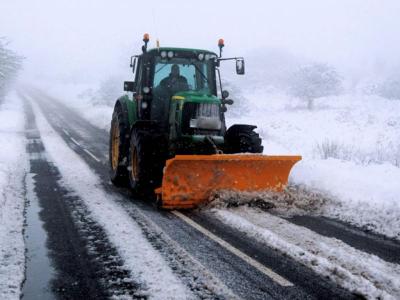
(10, 64)
(314, 81)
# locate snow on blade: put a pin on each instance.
(292, 200)
(13, 164)
(145, 263)
(359, 272)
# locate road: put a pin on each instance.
(211, 259)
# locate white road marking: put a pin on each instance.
(72, 139)
(263, 269)
(92, 155)
(77, 143)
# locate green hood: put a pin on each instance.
(196, 96)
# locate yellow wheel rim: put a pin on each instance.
(134, 164)
(114, 146)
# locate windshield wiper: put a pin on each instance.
(161, 68)
(201, 73)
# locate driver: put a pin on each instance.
(175, 82)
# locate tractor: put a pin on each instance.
(168, 133)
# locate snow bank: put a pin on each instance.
(351, 152)
(13, 165)
(361, 273)
(367, 196)
(146, 264)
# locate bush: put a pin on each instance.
(390, 89)
(328, 149)
(10, 64)
(378, 155)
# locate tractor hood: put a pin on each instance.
(196, 96)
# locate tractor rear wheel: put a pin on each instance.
(243, 139)
(118, 148)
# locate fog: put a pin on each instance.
(86, 41)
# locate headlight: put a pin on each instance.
(163, 54)
(206, 123)
(170, 54)
(144, 105)
(146, 90)
(201, 56)
(210, 56)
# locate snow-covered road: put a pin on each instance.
(217, 252)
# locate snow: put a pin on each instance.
(351, 152)
(361, 273)
(13, 165)
(83, 99)
(146, 264)
(350, 144)
(367, 196)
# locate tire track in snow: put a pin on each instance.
(200, 280)
(87, 265)
(146, 265)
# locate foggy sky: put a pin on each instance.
(88, 39)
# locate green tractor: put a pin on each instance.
(174, 108)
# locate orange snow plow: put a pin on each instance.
(190, 180)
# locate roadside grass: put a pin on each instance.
(378, 155)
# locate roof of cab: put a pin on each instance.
(179, 49)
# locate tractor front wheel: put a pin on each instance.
(243, 139)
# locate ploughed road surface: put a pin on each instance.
(207, 258)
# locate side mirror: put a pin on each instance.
(240, 66)
(129, 86)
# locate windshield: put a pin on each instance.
(184, 74)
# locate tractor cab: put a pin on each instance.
(165, 74)
(177, 89)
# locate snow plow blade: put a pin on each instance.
(190, 180)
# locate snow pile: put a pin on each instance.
(13, 164)
(350, 147)
(367, 196)
(146, 264)
(292, 200)
(361, 273)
